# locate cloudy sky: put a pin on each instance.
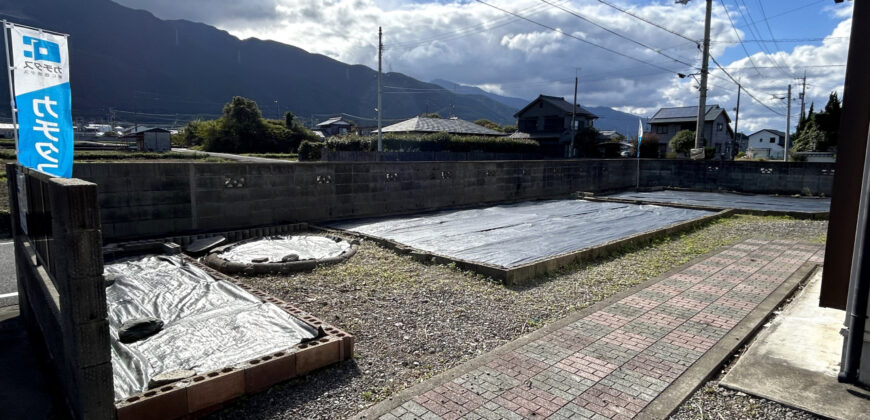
(526, 47)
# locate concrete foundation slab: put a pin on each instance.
(717, 200)
(512, 235)
(796, 359)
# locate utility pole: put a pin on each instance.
(380, 53)
(277, 111)
(803, 92)
(737, 116)
(702, 98)
(787, 124)
(573, 119)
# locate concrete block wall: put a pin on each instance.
(161, 199)
(151, 199)
(62, 297)
(751, 177)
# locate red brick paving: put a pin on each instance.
(537, 379)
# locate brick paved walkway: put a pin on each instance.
(612, 363)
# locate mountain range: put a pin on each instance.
(128, 65)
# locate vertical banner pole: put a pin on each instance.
(11, 86)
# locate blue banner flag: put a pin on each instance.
(639, 136)
(40, 71)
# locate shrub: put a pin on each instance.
(435, 142)
(683, 142)
(310, 150)
(649, 147)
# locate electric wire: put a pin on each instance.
(563, 33)
(579, 16)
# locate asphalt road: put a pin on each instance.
(8, 286)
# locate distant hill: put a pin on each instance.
(149, 69)
(515, 103)
(608, 118)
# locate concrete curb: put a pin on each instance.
(401, 397)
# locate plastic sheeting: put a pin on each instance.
(307, 247)
(732, 201)
(516, 234)
(209, 324)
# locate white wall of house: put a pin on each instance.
(766, 142)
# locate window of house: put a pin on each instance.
(661, 129)
(719, 127)
(773, 139)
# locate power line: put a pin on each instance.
(748, 93)
(462, 32)
(575, 37)
(579, 16)
(652, 23)
(762, 45)
(749, 56)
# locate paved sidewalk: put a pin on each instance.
(613, 361)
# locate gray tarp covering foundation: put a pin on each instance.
(209, 324)
(732, 201)
(307, 247)
(512, 235)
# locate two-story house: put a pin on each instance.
(668, 121)
(547, 120)
(766, 144)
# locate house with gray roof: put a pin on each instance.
(547, 120)
(666, 122)
(333, 127)
(421, 125)
(766, 144)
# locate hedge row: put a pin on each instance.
(436, 142)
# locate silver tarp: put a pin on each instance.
(307, 247)
(515, 234)
(208, 324)
(732, 201)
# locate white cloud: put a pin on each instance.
(471, 43)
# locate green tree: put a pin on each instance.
(649, 146)
(802, 122)
(811, 139)
(829, 121)
(289, 119)
(586, 142)
(682, 142)
(430, 115)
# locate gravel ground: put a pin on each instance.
(412, 321)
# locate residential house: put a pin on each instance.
(766, 144)
(150, 139)
(333, 127)
(666, 122)
(421, 125)
(547, 120)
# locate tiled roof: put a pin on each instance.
(685, 114)
(770, 130)
(437, 125)
(562, 104)
(334, 120)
